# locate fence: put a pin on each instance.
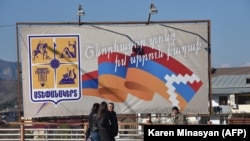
(130, 129)
(62, 132)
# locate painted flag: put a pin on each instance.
(112, 70)
(151, 71)
(90, 84)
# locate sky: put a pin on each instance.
(230, 21)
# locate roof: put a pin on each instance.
(230, 71)
(231, 80)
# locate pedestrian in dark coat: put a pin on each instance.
(93, 123)
(104, 122)
(114, 121)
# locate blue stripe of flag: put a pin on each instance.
(154, 68)
(92, 83)
(184, 90)
(109, 68)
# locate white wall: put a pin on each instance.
(215, 119)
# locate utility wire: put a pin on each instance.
(7, 25)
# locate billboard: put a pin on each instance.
(141, 68)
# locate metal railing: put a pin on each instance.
(12, 134)
(34, 134)
(54, 134)
(127, 132)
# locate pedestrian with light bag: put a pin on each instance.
(93, 132)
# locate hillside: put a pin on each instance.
(8, 84)
(8, 70)
(8, 94)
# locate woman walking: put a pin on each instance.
(93, 124)
(104, 122)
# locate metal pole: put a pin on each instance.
(22, 137)
(80, 12)
(209, 68)
(149, 16)
(79, 21)
(18, 75)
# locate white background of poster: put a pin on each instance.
(98, 37)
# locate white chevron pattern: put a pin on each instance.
(177, 79)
